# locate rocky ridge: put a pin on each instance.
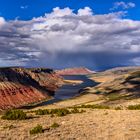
(75, 71)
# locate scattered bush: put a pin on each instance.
(54, 125)
(106, 113)
(75, 110)
(15, 115)
(70, 110)
(52, 112)
(118, 108)
(134, 107)
(42, 112)
(52, 115)
(36, 130)
(94, 106)
(9, 127)
(61, 112)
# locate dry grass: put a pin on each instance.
(97, 124)
(102, 79)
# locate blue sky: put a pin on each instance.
(70, 33)
(34, 8)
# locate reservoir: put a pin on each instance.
(71, 90)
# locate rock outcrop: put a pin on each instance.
(21, 86)
(75, 71)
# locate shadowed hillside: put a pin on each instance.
(20, 86)
(117, 84)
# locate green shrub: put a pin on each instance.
(36, 130)
(100, 107)
(62, 112)
(118, 108)
(82, 111)
(58, 112)
(15, 115)
(42, 112)
(75, 110)
(94, 106)
(134, 107)
(54, 125)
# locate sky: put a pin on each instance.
(58, 34)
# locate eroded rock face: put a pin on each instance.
(20, 86)
(75, 71)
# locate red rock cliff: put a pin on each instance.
(75, 71)
(20, 86)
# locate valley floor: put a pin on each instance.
(90, 125)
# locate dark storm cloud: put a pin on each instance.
(65, 39)
(98, 60)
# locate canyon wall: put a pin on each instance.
(21, 86)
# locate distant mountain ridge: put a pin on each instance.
(74, 71)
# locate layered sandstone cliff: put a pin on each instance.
(75, 71)
(20, 86)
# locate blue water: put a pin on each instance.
(69, 91)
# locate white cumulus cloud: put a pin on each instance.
(2, 21)
(64, 38)
(84, 12)
(123, 5)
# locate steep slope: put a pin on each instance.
(111, 74)
(20, 86)
(75, 71)
(117, 84)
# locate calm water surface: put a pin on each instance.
(69, 91)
